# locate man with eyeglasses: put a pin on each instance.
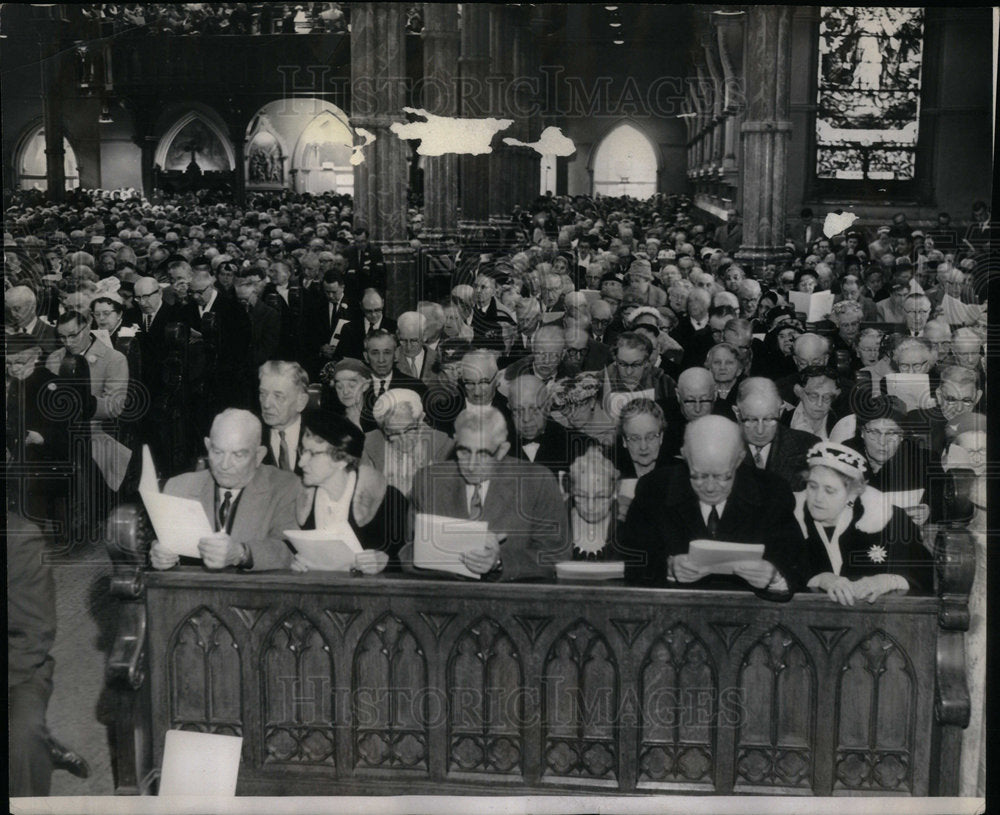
(537, 437)
(372, 318)
(916, 311)
(632, 375)
(518, 500)
(710, 496)
(957, 394)
(770, 445)
(583, 353)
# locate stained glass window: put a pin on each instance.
(868, 92)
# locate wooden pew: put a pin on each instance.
(399, 684)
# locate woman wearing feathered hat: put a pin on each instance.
(858, 546)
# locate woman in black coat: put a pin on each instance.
(857, 545)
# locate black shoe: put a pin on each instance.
(65, 759)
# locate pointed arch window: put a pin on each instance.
(868, 99)
(31, 166)
(625, 164)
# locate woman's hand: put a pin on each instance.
(371, 561)
(840, 589)
(874, 586)
(758, 573)
(162, 558)
(683, 570)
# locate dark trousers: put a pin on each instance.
(30, 768)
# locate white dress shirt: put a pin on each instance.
(531, 449)
(706, 510)
(202, 310)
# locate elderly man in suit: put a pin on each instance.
(283, 391)
(20, 307)
(249, 503)
(413, 357)
(537, 437)
(519, 501)
(711, 496)
(372, 318)
(770, 445)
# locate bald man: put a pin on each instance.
(710, 496)
(249, 503)
(770, 445)
(536, 437)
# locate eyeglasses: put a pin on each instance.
(199, 291)
(393, 435)
(548, 356)
(526, 410)
(481, 383)
(465, 454)
(146, 296)
(954, 400)
(718, 478)
(647, 438)
(767, 421)
(306, 452)
(885, 435)
(410, 341)
(631, 366)
(706, 400)
(576, 352)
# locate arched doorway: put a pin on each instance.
(625, 163)
(323, 156)
(195, 139)
(30, 163)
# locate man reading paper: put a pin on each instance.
(251, 503)
(711, 497)
(519, 501)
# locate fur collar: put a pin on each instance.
(872, 511)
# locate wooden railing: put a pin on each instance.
(397, 684)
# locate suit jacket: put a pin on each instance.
(352, 337)
(787, 456)
(265, 334)
(365, 270)
(318, 328)
(665, 516)
(287, 327)
(558, 446)
(523, 503)
(108, 377)
(265, 509)
(426, 373)
(45, 336)
(234, 339)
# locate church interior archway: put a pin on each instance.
(30, 162)
(625, 163)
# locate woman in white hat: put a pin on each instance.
(858, 546)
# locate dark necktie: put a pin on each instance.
(147, 320)
(381, 388)
(283, 460)
(758, 458)
(713, 522)
(476, 504)
(227, 502)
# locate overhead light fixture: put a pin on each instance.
(105, 117)
(618, 42)
(611, 8)
(615, 24)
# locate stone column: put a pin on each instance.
(729, 27)
(474, 65)
(239, 141)
(55, 153)
(765, 133)
(440, 97)
(378, 82)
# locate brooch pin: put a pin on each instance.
(877, 554)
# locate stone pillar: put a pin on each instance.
(729, 27)
(440, 97)
(378, 81)
(501, 160)
(526, 113)
(238, 138)
(55, 153)
(474, 63)
(765, 133)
